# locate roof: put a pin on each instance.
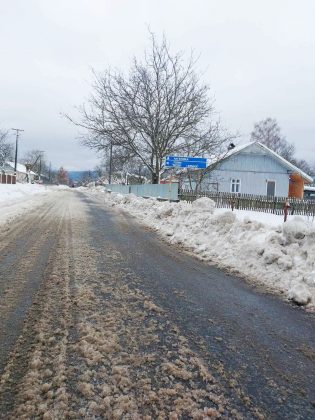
(284, 162)
(20, 168)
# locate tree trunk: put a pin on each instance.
(157, 171)
(155, 178)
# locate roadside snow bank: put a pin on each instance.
(19, 198)
(281, 257)
(11, 193)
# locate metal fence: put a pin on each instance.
(264, 204)
(160, 191)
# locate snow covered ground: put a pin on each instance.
(266, 218)
(258, 246)
(20, 198)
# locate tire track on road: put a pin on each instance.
(95, 346)
(21, 279)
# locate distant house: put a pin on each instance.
(22, 173)
(309, 192)
(255, 169)
(7, 177)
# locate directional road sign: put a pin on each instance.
(185, 162)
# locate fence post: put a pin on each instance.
(265, 204)
(286, 208)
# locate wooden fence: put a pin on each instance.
(7, 178)
(264, 204)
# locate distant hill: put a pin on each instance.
(80, 175)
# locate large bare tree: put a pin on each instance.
(268, 132)
(6, 148)
(35, 159)
(159, 108)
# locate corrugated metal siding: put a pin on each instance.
(165, 191)
(253, 168)
(119, 188)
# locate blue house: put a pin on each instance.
(255, 169)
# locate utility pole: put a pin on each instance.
(17, 130)
(110, 162)
(40, 163)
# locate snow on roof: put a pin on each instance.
(307, 188)
(278, 157)
(20, 168)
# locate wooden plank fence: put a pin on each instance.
(274, 205)
(7, 178)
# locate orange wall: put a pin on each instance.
(296, 186)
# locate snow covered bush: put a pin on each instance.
(226, 218)
(295, 230)
(203, 204)
(165, 210)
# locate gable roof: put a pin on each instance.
(20, 168)
(275, 155)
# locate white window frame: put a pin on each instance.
(236, 182)
(271, 180)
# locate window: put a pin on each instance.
(235, 185)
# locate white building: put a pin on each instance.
(22, 174)
(254, 169)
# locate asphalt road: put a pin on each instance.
(102, 319)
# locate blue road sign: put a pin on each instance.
(185, 158)
(185, 162)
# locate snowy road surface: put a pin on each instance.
(101, 319)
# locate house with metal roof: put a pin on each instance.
(255, 169)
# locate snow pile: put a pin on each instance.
(280, 256)
(19, 198)
(10, 193)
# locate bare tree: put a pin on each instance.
(36, 161)
(100, 170)
(62, 176)
(214, 147)
(268, 132)
(159, 108)
(304, 166)
(6, 148)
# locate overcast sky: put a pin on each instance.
(257, 56)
